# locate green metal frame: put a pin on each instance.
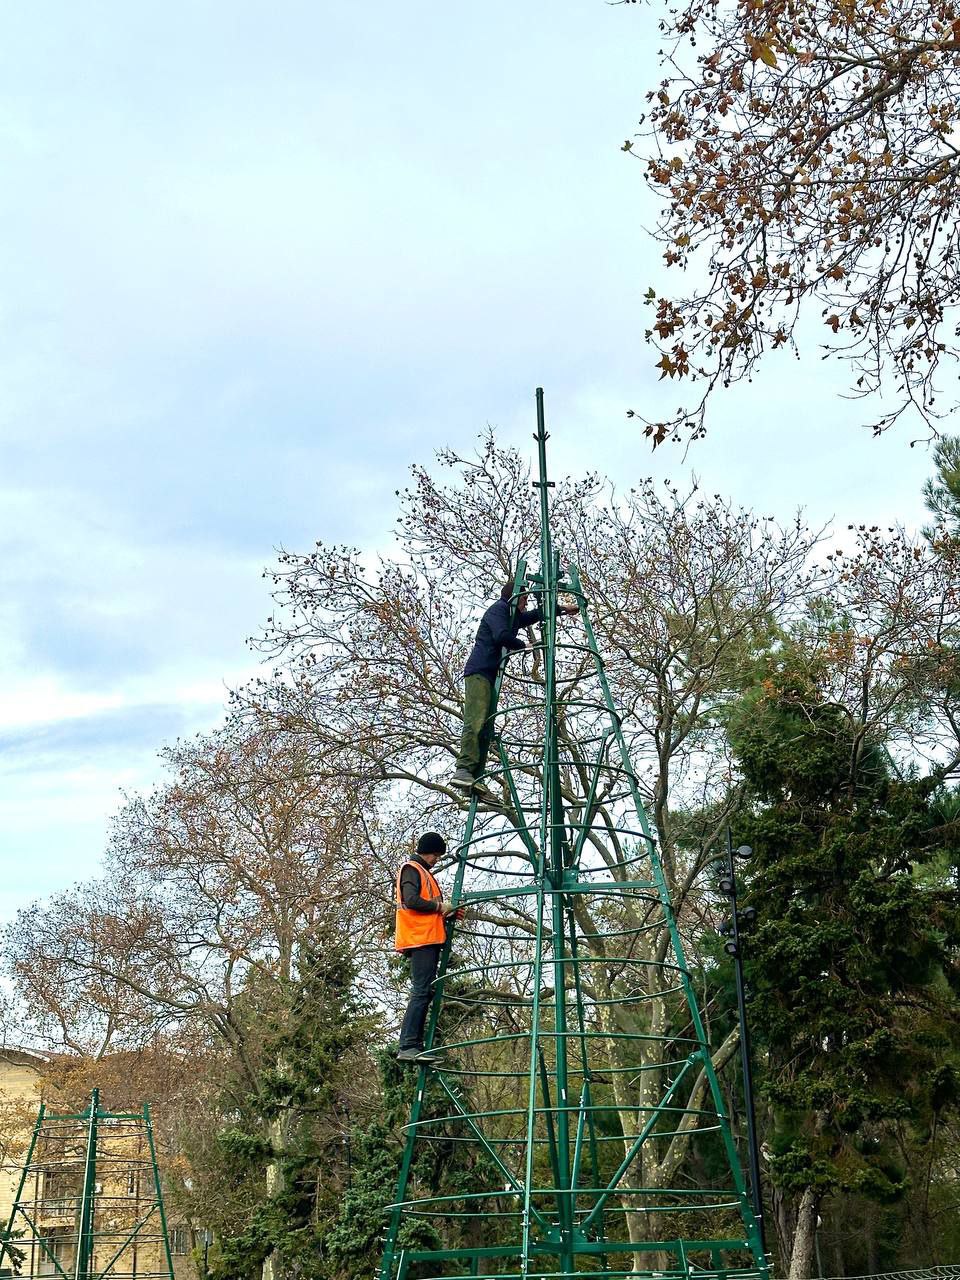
(566, 1200)
(91, 1143)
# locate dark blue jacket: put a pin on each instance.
(496, 633)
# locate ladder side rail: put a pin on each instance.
(749, 1218)
(41, 1240)
(5, 1242)
(148, 1123)
(393, 1229)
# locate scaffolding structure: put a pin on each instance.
(576, 1064)
(89, 1203)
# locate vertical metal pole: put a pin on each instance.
(393, 1228)
(138, 1194)
(156, 1182)
(752, 1145)
(34, 1259)
(85, 1226)
(551, 834)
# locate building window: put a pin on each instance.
(56, 1245)
(133, 1182)
(60, 1195)
(178, 1239)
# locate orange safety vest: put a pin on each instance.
(419, 928)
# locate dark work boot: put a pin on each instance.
(422, 1057)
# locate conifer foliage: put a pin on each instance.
(286, 1124)
(854, 965)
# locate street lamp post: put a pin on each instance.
(745, 918)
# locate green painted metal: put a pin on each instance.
(592, 1056)
(85, 1230)
(164, 1233)
(391, 1253)
(6, 1243)
(96, 1207)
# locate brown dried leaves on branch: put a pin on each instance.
(807, 155)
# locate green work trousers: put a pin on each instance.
(477, 728)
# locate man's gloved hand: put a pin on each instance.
(446, 908)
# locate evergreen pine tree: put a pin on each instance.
(854, 965)
(448, 1163)
(942, 492)
(304, 1045)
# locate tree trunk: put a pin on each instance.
(785, 1222)
(839, 1263)
(804, 1240)
(872, 1264)
(641, 1227)
(630, 1109)
(274, 1180)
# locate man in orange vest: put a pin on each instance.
(421, 931)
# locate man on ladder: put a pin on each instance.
(497, 631)
(421, 931)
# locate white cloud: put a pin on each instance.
(43, 699)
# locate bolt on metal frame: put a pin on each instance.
(89, 1202)
(544, 1098)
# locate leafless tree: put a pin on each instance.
(682, 588)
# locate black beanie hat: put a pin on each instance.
(431, 842)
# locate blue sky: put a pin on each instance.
(257, 259)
